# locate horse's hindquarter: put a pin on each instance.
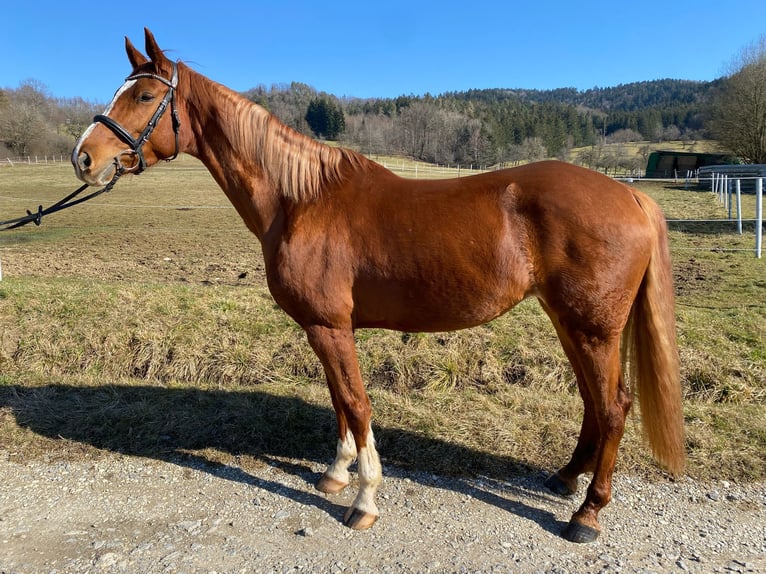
(592, 243)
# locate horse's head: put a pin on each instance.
(139, 127)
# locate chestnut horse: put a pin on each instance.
(347, 245)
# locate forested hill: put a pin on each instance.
(509, 124)
(625, 97)
(679, 103)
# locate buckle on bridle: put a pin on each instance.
(138, 162)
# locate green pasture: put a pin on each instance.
(141, 323)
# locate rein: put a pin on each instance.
(136, 149)
(69, 201)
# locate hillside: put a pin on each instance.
(509, 125)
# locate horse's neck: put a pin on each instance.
(242, 179)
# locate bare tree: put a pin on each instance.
(739, 116)
(671, 133)
(534, 149)
(417, 125)
(624, 136)
(22, 128)
(370, 133)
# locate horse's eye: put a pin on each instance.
(145, 97)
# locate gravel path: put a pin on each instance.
(128, 514)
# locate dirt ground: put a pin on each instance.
(118, 513)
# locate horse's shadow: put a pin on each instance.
(182, 426)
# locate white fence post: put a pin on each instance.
(739, 209)
(758, 216)
(728, 195)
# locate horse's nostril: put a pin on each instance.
(84, 160)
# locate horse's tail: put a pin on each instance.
(650, 350)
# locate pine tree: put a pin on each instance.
(325, 118)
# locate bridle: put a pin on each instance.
(137, 144)
(136, 149)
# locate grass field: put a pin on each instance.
(141, 323)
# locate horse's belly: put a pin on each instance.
(436, 305)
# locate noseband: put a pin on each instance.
(137, 144)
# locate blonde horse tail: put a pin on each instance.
(650, 351)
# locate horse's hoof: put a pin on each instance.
(558, 486)
(579, 533)
(358, 519)
(329, 485)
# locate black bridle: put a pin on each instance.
(136, 149)
(137, 144)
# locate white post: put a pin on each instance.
(721, 182)
(718, 180)
(739, 210)
(728, 195)
(758, 216)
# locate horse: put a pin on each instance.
(349, 245)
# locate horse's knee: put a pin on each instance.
(624, 398)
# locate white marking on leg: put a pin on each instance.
(370, 477)
(345, 455)
(124, 88)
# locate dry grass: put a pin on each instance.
(149, 330)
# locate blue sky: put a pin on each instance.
(379, 49)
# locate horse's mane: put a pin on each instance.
(297, 166)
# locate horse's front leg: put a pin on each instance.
(336, 349)
(336, 478)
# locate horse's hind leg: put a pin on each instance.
(600, 361)
(335, 348)
(564, 481)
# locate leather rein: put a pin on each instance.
(136, 149)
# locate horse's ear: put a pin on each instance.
(152, 49)
(136, 58)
